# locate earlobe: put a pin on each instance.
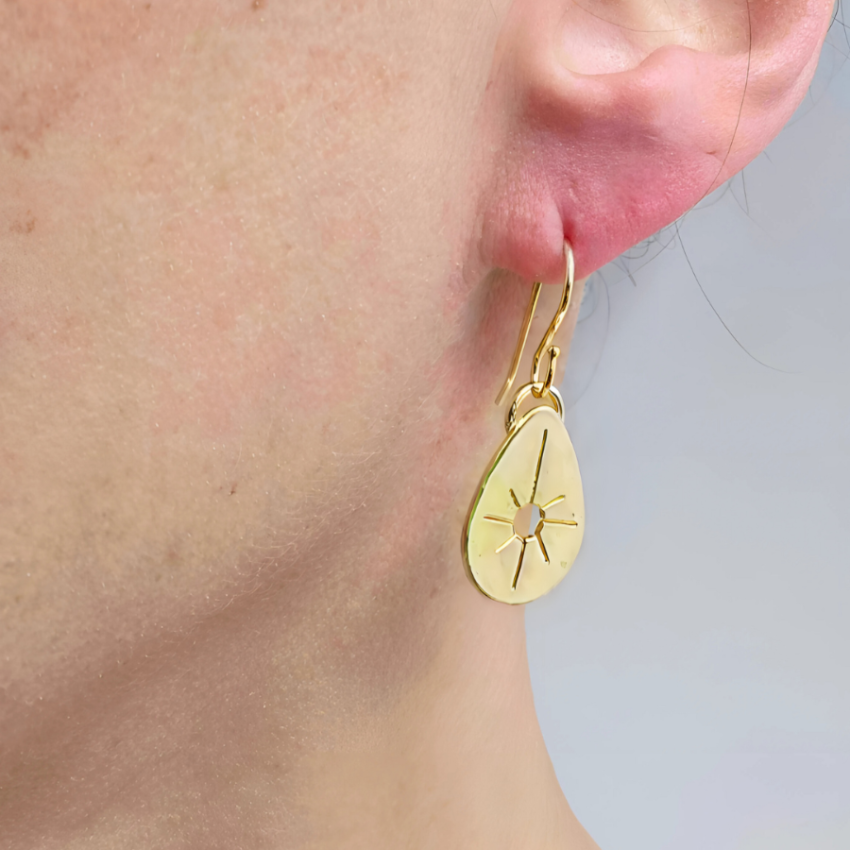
(606, 159)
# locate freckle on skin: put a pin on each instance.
(23, 227)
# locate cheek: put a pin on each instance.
(232, 338)
(211, 321)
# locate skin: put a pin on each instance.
(262, 266)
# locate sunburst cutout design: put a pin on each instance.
(536, 535)
(526, 523)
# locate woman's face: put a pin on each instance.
(250, 327)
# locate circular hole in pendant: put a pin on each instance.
(528, 520)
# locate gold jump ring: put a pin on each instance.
(551, 395)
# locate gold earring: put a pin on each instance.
(526, 524)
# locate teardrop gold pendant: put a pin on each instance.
(526, 522)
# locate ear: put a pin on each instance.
(613, 117)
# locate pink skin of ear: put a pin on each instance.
(607, 160)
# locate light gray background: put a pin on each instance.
(692, 673)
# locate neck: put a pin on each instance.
(457, 760)
(253, 730)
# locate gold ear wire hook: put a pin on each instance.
(540, 388)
